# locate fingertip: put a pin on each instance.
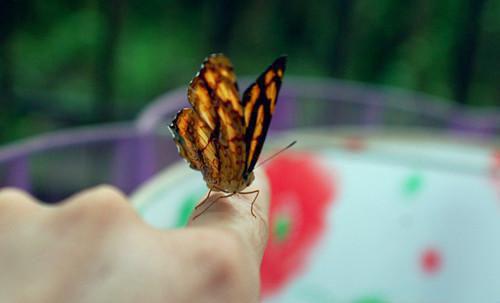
(216, 205)
(234, 212)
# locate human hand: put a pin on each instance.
(93, 247)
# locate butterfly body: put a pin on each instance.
(222, 135)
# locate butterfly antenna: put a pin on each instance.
(276, 154)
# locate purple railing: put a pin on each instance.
(15, 159)
(54, 165)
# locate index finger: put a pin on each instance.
(234, 213)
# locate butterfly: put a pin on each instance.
(222, 135)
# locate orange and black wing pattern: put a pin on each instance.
(259, 103)
(215, 82)
(218, 117)
(222, 136)
(192, 137)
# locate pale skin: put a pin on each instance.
(93, 247)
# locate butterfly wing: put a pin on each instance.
(215, 80)
(214, 95)
(259, 102)
(192, 137)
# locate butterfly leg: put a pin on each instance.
(204, 200)
(212, 203)
(254, 199)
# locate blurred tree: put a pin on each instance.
(467, 39)
(6, 90)
(382, 38)
(340, 42)
(11, 16)
(221, 16)
(112, 14)
(71, 63)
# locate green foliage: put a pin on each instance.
(54, 56)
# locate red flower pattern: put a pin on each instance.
(301, 191)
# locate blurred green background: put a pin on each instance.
(69, 63)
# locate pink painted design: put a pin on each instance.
(431, 261)
(301, 191)
(355, 143)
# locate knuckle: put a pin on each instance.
(10, 197)
(109, 194)
(102, 206)
(9, 193)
